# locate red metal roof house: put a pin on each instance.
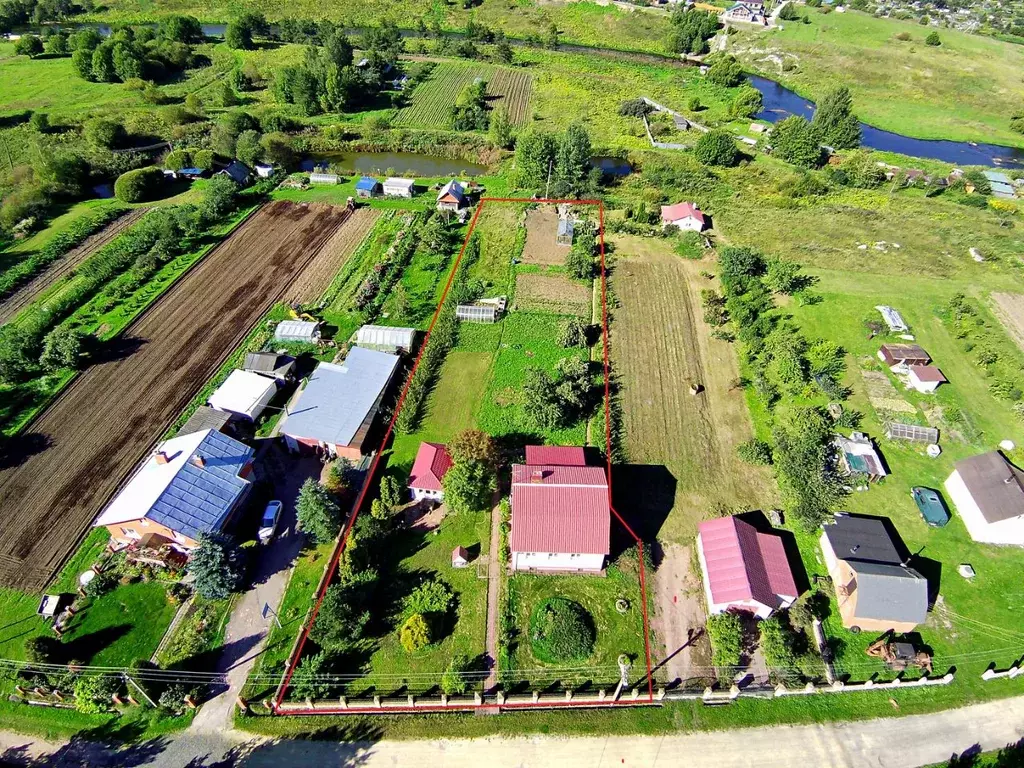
(683, 215)
(431, 465)
(743, 569)
(561, 518)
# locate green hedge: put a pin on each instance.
(561, 630)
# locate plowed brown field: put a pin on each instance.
(56, 477)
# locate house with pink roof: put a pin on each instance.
(428, 470)
(743, 568)
(686, 216)
(561, 516)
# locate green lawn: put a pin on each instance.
(899, 85)
(119, 627)
(528, 340)
(750, 205)
(451, 407)
(974, 623)
(616, 633)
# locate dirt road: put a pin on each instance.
(72, 459)
(22, 297)
(905, 742)
(683, 653)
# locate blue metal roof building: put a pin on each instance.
(339, 401)
(368, 186)
(191, 484)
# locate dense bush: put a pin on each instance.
(635, 108)
(726, 634)
(756, 452)
(691, 29)
(561, 630)
(415, 633)
(716, 147)
(139, 185)
(796, 141)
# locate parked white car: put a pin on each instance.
(271, 518)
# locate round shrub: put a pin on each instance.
(138, 185)
(716, 148)
(561, 630)
(415, 633)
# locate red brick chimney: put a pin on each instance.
(537, 476)
(161, 457)
(199, 461)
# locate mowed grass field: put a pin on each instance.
(925, 237)
(681, 447)
(973, 622)
(432, 100)
(965, 89)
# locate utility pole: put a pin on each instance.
(129, 679)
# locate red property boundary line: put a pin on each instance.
(343, 540)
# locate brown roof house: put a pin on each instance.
(925, 378)
(900, 355)
(561, 516)
(988, 492)
(875, 588)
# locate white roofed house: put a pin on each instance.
(191, 484)
(988, 492)
(336, 408)
(244, 394)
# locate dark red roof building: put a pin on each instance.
(561, 517)
(743, 569)
(432, 462)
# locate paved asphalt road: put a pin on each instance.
(886, 743)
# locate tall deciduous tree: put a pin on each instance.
(535, 152)
(572, 161)
(834, 120)
(796, 141)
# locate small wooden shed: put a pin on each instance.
(460, 557)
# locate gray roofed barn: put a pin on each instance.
(270, 364)
(205, 418)
(339, 400)
(996, 486)
(890, 593)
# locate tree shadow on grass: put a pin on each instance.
(86, 647)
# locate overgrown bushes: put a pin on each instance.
(726, 635)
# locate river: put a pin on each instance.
(780, 103)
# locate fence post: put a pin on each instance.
(601, 694)
(734, 692)
(478, 700)
(781, 690)
(411, 699)
(568, 694)
(343, 702)
(444, 699)
(500, 697)
(376, 701)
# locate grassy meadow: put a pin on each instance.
(965, 89)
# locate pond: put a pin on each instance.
(612, 166)
(780, 103)
(395, 162)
